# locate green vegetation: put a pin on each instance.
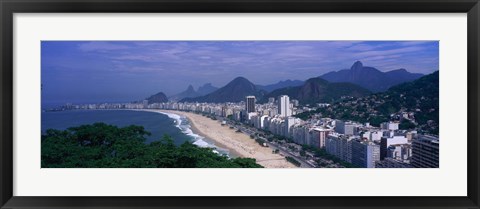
(293, 161)
(406, 125)
(277, 138)
(303, 153)
(322, 153)
(316, 90)
(105, 146)
(260, 141)
(415, 104)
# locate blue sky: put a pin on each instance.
(101, 71)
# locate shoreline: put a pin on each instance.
(239, 144)
(232, 153)
(195, 131)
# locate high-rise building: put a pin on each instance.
(340, 146)
(284, 106)
(425, 152)
(365, 153)
(289, 122)
(250, 104)
(385, 142)
(347, 128)
(319, 135)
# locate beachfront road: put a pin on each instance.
(283, 151)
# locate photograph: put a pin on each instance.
(240, 104)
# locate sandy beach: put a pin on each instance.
(238, 143)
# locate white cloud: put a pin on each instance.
(101, 46)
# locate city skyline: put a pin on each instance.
(99, 71)
(354, 144)
(348, 104)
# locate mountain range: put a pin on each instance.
(206, 89)
(280, 84)
(419, 99)
(358, 81)
(370, 77)
(312, 91)
(191, 93)
(235, 91)
(316, 90)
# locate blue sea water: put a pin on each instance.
(178, 127)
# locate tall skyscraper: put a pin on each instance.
(250, 104)
(425, 152)
(284, 106)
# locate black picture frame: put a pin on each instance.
(9, 7)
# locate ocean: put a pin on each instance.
(176, 126)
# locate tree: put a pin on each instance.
(302, 153)
(406, 125)
(105, 146)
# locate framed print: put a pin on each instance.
(264, 104)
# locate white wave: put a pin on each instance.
(186, 129)
(202, 143)
(182, 123)
(177, 118)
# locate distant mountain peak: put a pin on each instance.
(280, 84)
(189, 92)
(205, 85)
(206, 89)
(317, 89)
(159, 97)
(370, 77)
(240, 78)
(242, 82)
(400, 70)
(316, 80)
(234, 91)
(357, 66)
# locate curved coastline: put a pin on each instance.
(238, 144)
(199, 137)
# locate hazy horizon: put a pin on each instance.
(122, 71)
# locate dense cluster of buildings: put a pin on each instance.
(359, 144)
